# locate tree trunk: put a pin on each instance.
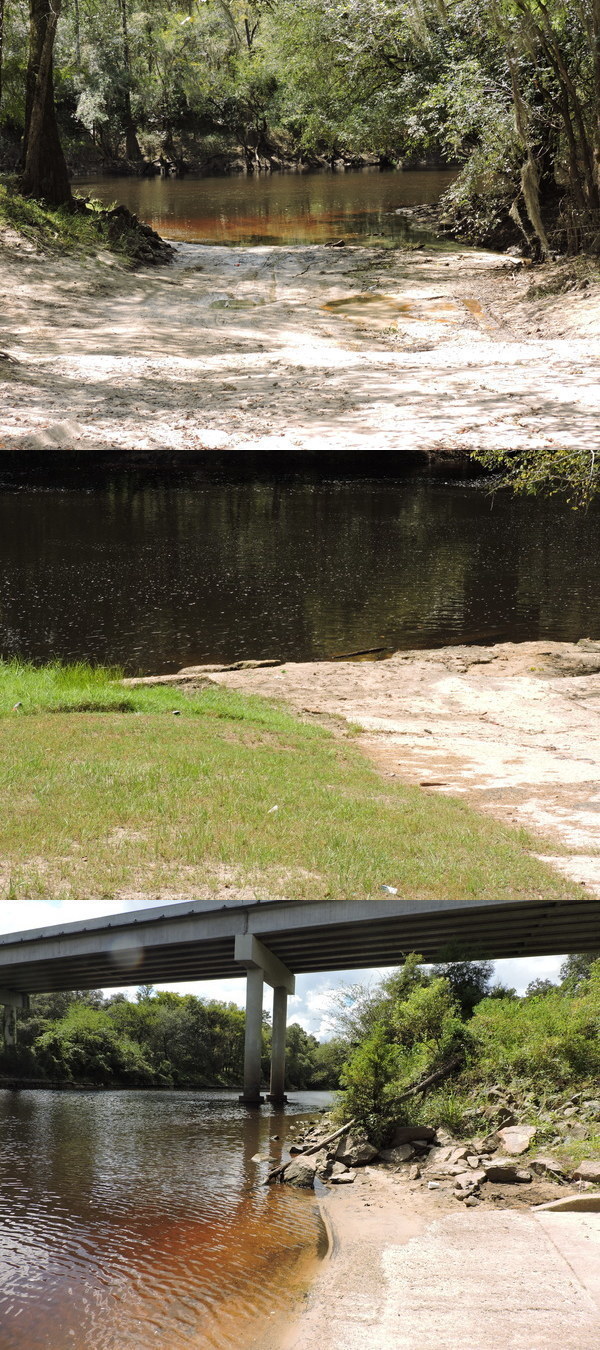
(132, 148)
(45, 174)
(1, 44)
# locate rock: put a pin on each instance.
(467, 1181)
(541, 1165)
(505, 1170)
(414, 1172)
(471, 1201)
(450, 1153)
(500, 1114)
(337, 1168)
(397, 1155)
(472, 1160)
(592, 1106)
(577, 1131)
(355, 1152)
(516, 1138)
(301, 1173)
(322, 1163)
(444, 1138)
(407, 1134)
(588, 1170)
(343, 1178)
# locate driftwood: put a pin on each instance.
(436, 1077)
(306, 1152)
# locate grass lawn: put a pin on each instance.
(106, 793)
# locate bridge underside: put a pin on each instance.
(146, 948)
(274, 940)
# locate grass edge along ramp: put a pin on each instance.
(114, 792)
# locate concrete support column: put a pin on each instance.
(9, 1026)
(277, 1093)
(253, 1039)
(10, 1000)
(261, 964)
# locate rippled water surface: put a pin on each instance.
(135, 1220)
(163, 567)
(282, 208)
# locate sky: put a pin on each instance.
(310, 1005)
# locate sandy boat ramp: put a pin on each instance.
(431, 351)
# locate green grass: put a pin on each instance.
(57, 229)
(104, 792)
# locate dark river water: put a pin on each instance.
(281, 208)
(158, 567)
(132, 1220)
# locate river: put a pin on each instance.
(133, 1220)
(362, 206)
(167, 564)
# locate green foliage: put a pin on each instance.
(83, 1046)
(545, 1043)
(551, 1038)
(572, 472)
(163, 1039)
(83, 228)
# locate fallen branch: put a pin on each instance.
(306, 1152)
(436, 1077)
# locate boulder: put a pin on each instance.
(588, 1170)
(300, 1172)
(577, 1130)
(450, 1153)
(468, 1181)
(504, 1169)
(355, 1152)
(322, 1163)
(407, 1134)
(541, 1166)
(343, 1178)
(397, 1155)
(516, 1138)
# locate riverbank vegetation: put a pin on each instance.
(485, 1057)
(164, 1040)
(115, 790)
(509, 92)
(79, 227)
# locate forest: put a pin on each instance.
(160, 1039)
(506, 90)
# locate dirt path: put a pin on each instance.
(427, 351)
(512, 728)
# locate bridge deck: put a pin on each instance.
(195, 940)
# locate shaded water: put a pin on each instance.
(283, 208)
(161, 567)
(132, 1220)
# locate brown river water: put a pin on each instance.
(132, 1220)
(361, 206)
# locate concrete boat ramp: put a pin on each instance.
(476, 1279)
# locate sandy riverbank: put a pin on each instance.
(434, 351)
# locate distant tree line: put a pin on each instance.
(160, 1040)
(507, 89)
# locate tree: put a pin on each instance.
(45, 174)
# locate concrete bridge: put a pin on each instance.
(273, 940)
